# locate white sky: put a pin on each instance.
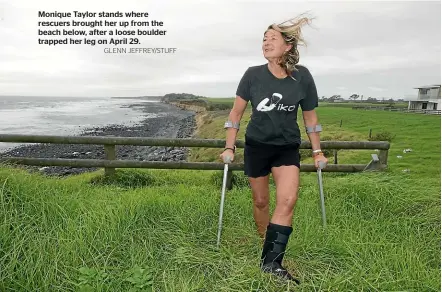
(378, 49)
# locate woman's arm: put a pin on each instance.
(313, 130)
(235, 117)
(310, 121)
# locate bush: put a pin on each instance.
(382, 136)
(125, 179)
(218, 106)
(238, 179)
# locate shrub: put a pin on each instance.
(238, 179)
(382, 136)
(218, 106)
(125, 179)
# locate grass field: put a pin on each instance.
(365, 104)
(155, 230)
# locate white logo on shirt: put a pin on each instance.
(264, 105)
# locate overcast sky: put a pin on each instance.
(378, 49)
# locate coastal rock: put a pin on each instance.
(162, 121)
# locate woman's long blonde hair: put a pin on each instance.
(291, 32)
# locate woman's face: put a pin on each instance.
(273, 45)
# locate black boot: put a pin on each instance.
(275, 243)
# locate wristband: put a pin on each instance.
(229, 148)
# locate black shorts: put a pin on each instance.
(260, 158)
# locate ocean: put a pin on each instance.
(64, 116)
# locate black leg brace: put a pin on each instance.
(277, 237)
(275, 244)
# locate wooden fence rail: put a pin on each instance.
(110, 163)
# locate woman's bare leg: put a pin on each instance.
(261, 198)
(287, 187)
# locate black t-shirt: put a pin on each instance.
(275, 103)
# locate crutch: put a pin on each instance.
(321, 192)
(223, 194)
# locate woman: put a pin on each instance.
(273, 137)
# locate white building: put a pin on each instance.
(428, 98)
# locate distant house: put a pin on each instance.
(428, 98)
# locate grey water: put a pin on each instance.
(39, 115)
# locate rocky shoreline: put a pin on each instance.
(162, 120)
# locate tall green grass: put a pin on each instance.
(155, 230)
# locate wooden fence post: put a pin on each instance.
(335, 151)
(383, 156)
(109, 151)
(229, 183)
